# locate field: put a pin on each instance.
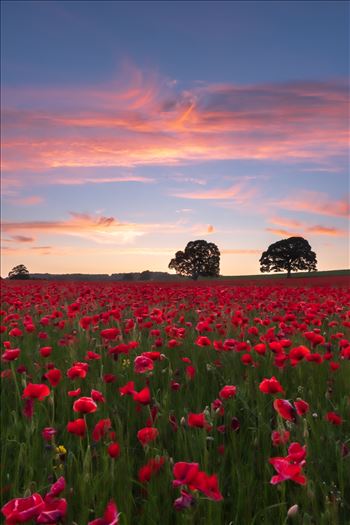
(221, 403)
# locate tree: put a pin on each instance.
(200, 258)
(291, 254)
(19, 272)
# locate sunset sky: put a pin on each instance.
(131, 128)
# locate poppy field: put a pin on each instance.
(210, 403)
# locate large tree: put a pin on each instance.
(291, 254)
(200, 258)
(19, 272)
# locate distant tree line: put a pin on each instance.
(201, 259)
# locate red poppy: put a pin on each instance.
(78, 370)
(45, 351)
(36, 391)
(101, 429)
(228, 391)
(74, 393)
(301, 407)
(198, 420)
(110, 517)
(97, 396)
(10, 354)
(77, 427)
(208, 485)
(19, 510)
(334, 418)
(147, 434)
(85, 405)
(270, 386)
(285, 409)
(110, 333)
(185, 473)
(143, 397)
(114, 450)
(48, 433)
(280, 438)
(54, 376)
(143, 364)
(128, 389)
(152, 467)
(203, 340)
(286, 470)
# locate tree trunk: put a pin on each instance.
(288, 273)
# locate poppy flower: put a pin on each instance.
(143, 364)
(270, 386)
(36, 391)
(48, 433)
(128, 389)
(45, 351)
(77, 427)
(85, 405)
(150, 469)
(301, 407)
(74, 393)
(285, 409)
(280, 438)
(228, 391)
(110, 517)
(143, 397)
(147, 434)
(208, 485)
(334, 418)
(78, 370)
(101, 429)
(185, 473)
(296, 453)
(10, 354)
(286, 470)
(19, 510)
(114, 450)
(54, 510)
(110, 333)
(185, 501)
(198, 420)
(203, 340)
(97, 396)
(54, 376)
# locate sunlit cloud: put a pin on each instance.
(145, 119)
(316, 203)
(103, 230)
(297, 228)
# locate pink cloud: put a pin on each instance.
(143, 118)
(316, 203)
(303, 228)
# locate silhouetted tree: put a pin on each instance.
(19, 272)
(291, 254)
(200, 258)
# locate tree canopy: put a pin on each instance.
(291, 254)
(19, 272)
(200, 258)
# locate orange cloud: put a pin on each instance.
(100, 229)
(303, 228)
(145, 119)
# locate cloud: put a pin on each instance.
(210, 228)
(101, 229)
(20, 239)
(316, 203)
(144, 119)
(27, 201)
(303, 228)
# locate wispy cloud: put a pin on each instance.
(295, 228)
(143, 119)
(316, 203)
(101, 229)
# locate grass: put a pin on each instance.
(29, 464)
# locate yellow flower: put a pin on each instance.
(61, 450)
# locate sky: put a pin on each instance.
(131, 128)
